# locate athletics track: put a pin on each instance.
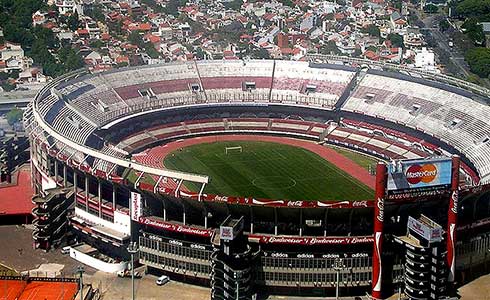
(158, 153)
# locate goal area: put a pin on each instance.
(233, 149)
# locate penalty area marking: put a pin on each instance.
(269, 183)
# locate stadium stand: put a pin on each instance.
(450, 117)
(89, 131)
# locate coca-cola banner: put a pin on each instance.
(284, 203)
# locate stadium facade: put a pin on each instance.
(84, 128)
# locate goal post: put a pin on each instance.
(232, 149)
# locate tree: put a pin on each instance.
(199, 53)
(14, 116)
(46, 35)
(474, 30)
(329, 48)
(16, 20)
(233, 5)
(444, 25)
(289, 3)
(153, 5)
(136, 39)
(95, 12)
(73, 22)
(396, 40)
(372, 48)
(7, 86)
(70, 59)
(473, 79)
(172, 7)
(372, 30)
(431, 8)
(260, 53)
(479, 9)
(357, 52)
(397, 4)
(479, 61)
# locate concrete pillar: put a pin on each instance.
(114, 187)
(56, 171)
(99, 195)
(86, 192)
(275, 221)
(325, 222)
(300, 222)
(46, 167)
(65, 179)
(251, 220)
(75, 181)
(183, 216)
(205, 217)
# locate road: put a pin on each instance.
(431, 23)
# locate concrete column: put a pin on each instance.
(183, 216)
(86, 192)
(205, 217)
(65, 179)
(325, 222)
(75, 181)
(251, 220)
(99, 195)
(275, 221)
(46, 167)
(56, 171)
(300, 222)
(114, 187)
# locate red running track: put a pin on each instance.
(350, 167)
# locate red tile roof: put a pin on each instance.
(16, 199)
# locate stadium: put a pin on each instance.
(282, 152)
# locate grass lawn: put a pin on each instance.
(362, 160)
(267, 170)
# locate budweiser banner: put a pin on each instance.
(296, 240)
(169, 226)
(136, 209)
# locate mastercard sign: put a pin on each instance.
(412, 174)
(421, 173)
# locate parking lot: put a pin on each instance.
(116, 288)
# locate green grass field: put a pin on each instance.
(362, 160)
(267, 170)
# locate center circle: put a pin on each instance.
(274, 182)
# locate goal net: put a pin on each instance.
(234, 149)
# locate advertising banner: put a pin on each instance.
(136, 209)
(428, 233)
(406, 175)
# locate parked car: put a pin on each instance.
(127, 273)
(65, 250)
(162, 280)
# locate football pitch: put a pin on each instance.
(266, 170)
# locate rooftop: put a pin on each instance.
(16, 199)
